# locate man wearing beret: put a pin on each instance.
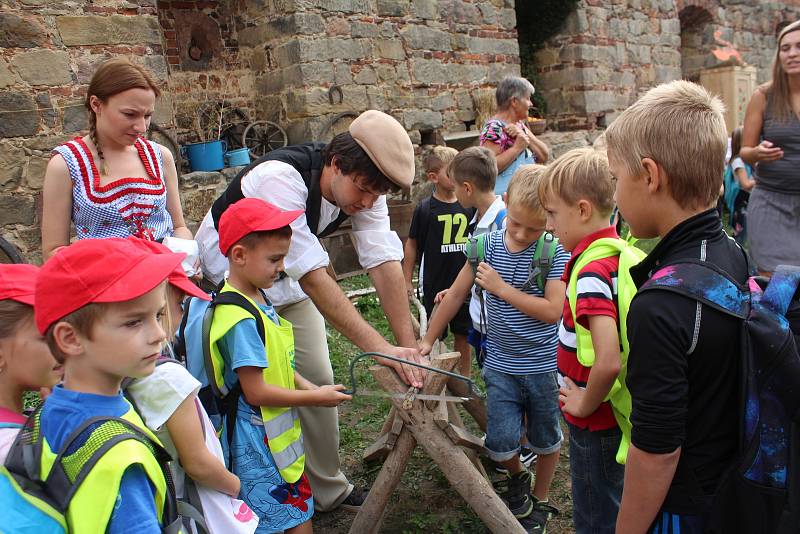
(348, 177)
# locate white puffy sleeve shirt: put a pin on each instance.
(280, 184)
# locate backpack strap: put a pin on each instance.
(542, 261)
(180, 337)
(703, 282)
(230, 298)
(499, 218)
(475, 251)
(781, 288)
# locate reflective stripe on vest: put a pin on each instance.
(281, 424)
(93, 503)
(619, 397)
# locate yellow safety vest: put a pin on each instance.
(90, 509)
(281, 424)
(619, 397)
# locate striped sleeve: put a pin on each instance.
(597, 290)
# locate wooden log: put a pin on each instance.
(453, 415)
(455, 465)
(369, 517)
(461, 437)
(474, 406)
(379, 449)
(435, 382)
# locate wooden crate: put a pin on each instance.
(734, 85)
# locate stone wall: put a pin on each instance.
(610, 52)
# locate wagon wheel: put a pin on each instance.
(162, 136)
(221, 120)
(261, 137)
(339, 123)
(9, 253)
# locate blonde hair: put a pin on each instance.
(580, 174)
(439, 157)
(778, 88)
(476, 165)
(523, 189)
(680, 126)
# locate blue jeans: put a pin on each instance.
(509, 398)
(596, 479)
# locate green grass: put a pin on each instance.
(424, 501)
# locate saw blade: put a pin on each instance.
(418, 396)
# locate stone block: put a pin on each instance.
(76, 118)
(7, 77)
(34, 172)
(22, 120)
(16, 209)
(47, 112)
(376, 98)
(197, 203)
(19, 32)
(488, 13)
(364, 29)
(43, 67)
(342, 75)
(331, 48)
(393, 8)
(389, 49)
(44, 144)
(287, 54)
(422, 119)
(113, 29)
(12, 163)
(308, 24)
(385, 73)
(202, 179)
(419, 37)
(428, 71)
(483, 45)
(507, 19)
(596, 101)
(366, 76)
(426, 9)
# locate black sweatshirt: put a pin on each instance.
(684, 397)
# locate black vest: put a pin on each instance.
(306, 160)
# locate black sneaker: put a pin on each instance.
(518, 495)
(536, 522)
(526, 456)
(353, 502)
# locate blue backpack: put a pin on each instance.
(760, 493)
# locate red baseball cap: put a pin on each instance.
(251, 215)
(18, 282)
(97, 270)
(178, 276)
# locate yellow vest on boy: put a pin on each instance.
(619, 397)
(281, 424)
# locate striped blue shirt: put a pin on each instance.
(518, 344)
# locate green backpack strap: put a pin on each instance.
(542, 261)
(475, 251)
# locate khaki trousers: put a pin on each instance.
(320, 425)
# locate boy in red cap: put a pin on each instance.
(257, 355)
(100, 302)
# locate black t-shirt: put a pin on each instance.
(441, 243)
(684, 395)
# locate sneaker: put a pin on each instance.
(526, 456)
(353, 502)
(536, 522)
(518, 495)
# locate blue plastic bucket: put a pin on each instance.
(238, 157)
(205, 156)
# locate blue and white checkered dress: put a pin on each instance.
(125, 207)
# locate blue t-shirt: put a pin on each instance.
(65, 410)
(516, 343)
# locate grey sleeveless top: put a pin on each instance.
(783, 175)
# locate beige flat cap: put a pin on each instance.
(387, 144)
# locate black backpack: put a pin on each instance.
(760, 493)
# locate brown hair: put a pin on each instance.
(580, 174)
(12, 315)
(681, 127)
(439, 156)
(523, 189)
(112, 77)
(476, 165)
(352, 159)
(253, 238)
(778, 88)
(82, 320)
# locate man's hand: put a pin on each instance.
(330, 395)
(571, 397)
(489, 279)
(424, 347)
(413, 376)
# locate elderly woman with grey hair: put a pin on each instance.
(507, 135)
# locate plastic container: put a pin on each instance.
(238, 157)
(206, 156)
